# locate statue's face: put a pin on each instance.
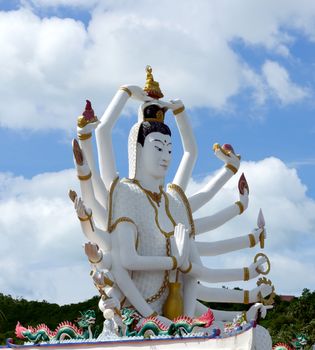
(156, 154)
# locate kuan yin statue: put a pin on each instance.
(143, 248)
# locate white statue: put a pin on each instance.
(146, 234)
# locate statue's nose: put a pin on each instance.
(166, 156)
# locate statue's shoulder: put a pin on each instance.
(126, 189)
(124, 198)
(177, 194)
(179, 203)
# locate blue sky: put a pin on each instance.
(245, 72)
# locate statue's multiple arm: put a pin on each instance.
(189, 158)
(131, 260)
(230, 168)
(220, 315)
(90, 230)
(84, 174)
(104, 137)
(103, 132)
(206, 274)
(229, 245)
(85, 139)
(224, 295)
(105, 260)
(212, 222)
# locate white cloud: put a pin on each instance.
(290, 223)
(40, 243)
(40, 246)
(40, 63)
(281, 85)
(48, 66)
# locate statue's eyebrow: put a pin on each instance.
(158, 141)
(163, 143)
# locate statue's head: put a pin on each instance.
(149, 148)
(154, 149)
(149, 143)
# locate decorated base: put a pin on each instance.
(241, 341)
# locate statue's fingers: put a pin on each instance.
(81, 206)
(236, 157)
(263, 312)
(220, 155)
(78, 201)
(182, 229)
(260, 262)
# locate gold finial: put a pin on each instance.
(152, 87)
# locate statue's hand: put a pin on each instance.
(228, 157)
(87, 128)
(109, 303)
(137, 93)
(258, 233)
(257, 309)
(93, 252)
(180, 244)
(81, 209)
(175, 104)
(103, 279)
(263, 289)
(255, 266)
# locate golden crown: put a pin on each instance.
(153, 111)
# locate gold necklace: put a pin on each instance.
(168, 213)
(156, 197)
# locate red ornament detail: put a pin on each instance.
(228, 147)
(242, 184)
(281, 346)
(89, 112)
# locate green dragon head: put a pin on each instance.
(299, 341)
(86, 319)
(129, 316)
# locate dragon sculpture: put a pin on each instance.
(298, 343)
(182, 325)
(65, 330)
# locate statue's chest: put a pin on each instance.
(154, 225)
(155, 222)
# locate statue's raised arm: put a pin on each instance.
(87, 123)
(104, 130)
(231, 165)
(89, 188)
(219, 218)
(189, 158)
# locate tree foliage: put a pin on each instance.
(32, 313)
